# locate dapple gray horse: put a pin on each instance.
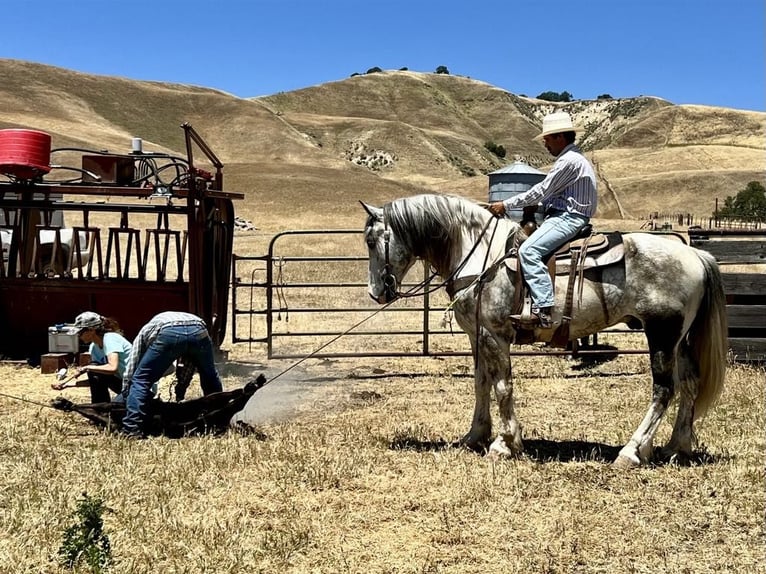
(673, 290)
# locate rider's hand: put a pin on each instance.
(497, 208)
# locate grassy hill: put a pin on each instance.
(379, 136)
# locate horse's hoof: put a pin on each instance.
(498, 449)
(473, 444)
(494, 455)
(679, 459)
(626, 462)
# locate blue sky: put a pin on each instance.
(708, 52)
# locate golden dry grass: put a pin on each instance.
(651, 154)
(360, 477)
(353, 468)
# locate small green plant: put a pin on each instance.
(85, 541)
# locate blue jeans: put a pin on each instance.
(189, 341)
(556, 230)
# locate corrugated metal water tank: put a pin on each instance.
(512, 180)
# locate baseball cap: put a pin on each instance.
(88, 320)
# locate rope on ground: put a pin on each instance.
(15, 398)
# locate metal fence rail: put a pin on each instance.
(326, 294)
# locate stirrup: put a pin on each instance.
(534, 318)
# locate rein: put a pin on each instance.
(389, 279)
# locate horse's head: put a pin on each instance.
(389, 258)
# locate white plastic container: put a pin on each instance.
(63, 340)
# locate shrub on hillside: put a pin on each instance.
(496, 149)
(442, 70)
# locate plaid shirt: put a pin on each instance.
(148, 334)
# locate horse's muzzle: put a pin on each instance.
(385, 297)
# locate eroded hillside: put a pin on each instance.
(389, 133)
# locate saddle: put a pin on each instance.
(587, 250)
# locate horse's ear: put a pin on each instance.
(372, 211)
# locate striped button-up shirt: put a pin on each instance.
(569, 186)
(148, 334)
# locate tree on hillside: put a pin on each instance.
(373, 70)
(442, 70)
(555, 96)
(605, 97)
(749, 203)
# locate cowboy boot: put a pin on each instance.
(544, 317)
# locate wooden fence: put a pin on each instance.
(742, 257)
(668, 220)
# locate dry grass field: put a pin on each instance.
(353, 468)
(396, 132)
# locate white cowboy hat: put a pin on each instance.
(556, 123)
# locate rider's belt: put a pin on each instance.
(552, 211)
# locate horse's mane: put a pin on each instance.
(432, 226)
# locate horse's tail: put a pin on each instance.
(708, 338)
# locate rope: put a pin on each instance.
(280, 291)
(39, 404)
(457, 269)
(331, 341)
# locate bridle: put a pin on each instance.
(387, 276)
(390, 281)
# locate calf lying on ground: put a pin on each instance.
(205, 415)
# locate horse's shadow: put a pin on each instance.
(593, 355)
(546, 451)
(542, 450)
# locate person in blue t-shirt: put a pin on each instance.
(109, 352)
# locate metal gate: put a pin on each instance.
(296, 304)
(308, 296)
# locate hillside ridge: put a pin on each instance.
(399, 132)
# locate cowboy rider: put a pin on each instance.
(568, 195)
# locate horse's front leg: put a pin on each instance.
(495, 360)
(481, 426)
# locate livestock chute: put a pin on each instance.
(125, 234)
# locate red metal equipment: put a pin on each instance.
(25, 154)
(150, 233)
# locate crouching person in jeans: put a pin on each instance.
(168, 336)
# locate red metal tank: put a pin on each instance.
(25, 154)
